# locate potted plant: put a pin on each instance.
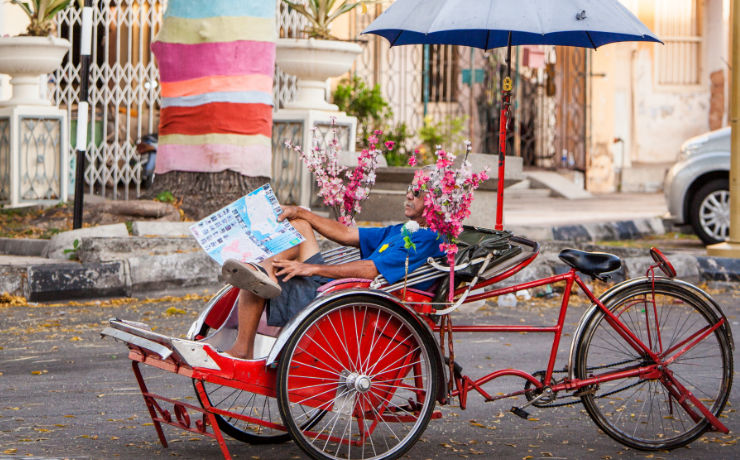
(34, 53)
(320, 56)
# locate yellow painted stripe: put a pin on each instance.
(232, 139)
(214, 83)
(218, 29)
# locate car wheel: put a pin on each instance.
(709, 212)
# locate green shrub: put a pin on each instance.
(448, 133)
(367, 104)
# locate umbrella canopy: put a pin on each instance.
(486, 24)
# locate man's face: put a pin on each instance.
(414, 205)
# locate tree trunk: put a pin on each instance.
(204, 193)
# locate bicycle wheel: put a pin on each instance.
(368, 365)
(645, 413)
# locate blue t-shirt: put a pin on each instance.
(385, 247)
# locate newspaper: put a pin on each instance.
(247, 229)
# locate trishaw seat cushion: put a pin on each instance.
(590, 263)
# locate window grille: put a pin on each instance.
(677, 23)
(444, 73)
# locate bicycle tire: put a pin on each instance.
(644, 415)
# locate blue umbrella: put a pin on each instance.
(488, 24)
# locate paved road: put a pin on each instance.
(65, 393)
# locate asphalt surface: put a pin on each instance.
(67, 393)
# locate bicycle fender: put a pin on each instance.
(614, 290)
(292, 325)
(198, 323)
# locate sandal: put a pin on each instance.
(254, 280)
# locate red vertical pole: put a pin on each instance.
(506, 87)
(502, 160)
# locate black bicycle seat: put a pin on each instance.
(590, 263)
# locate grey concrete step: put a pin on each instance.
(557, 184)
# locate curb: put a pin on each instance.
(65, 281)
(116, 266)
(580, 233)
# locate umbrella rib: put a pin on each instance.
(588, 34)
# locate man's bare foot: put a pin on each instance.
(239, 354)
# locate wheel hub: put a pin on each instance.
(358, 382)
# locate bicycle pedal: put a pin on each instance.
(520, 412)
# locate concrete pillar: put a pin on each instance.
(731, 248)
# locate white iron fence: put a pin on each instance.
(440, 83)
(124, 90)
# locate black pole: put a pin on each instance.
(86, 36)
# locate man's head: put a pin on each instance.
(413, 207)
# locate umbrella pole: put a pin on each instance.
(506, 87)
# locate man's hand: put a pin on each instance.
(348, 236)
(290, 213)
(287, 269)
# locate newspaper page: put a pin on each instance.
(247, 229)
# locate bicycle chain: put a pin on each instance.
(590, 369)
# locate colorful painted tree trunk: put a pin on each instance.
(216, 61)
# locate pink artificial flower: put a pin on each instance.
(389, 145)
(372, 139)
(412, 160)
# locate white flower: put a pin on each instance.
(411, 226)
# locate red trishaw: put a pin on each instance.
(359, 372)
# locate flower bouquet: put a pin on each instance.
(341, 188)
(448, 199)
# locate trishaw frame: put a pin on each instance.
(237, 375)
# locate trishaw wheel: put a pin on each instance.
(245, 403)
(647, 413)
(368, 366)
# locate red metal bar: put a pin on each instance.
(182, 420)
(561, 321)
(148, 402)
(568, 277)
(675, 394)
(686, 340)
(701, 337)
(501, 162)
(517, 287)
(601, 378)
(685, 393)
(500, 328)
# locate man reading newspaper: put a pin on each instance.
(286, 283)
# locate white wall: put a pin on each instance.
(665, 117)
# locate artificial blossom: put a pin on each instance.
(339, 187)
(449, 194)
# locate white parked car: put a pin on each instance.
(696, 188)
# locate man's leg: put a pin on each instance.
(250, 310)
(251, 306)
(300, 252)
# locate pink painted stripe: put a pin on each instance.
(222, 58)
(249, 160)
